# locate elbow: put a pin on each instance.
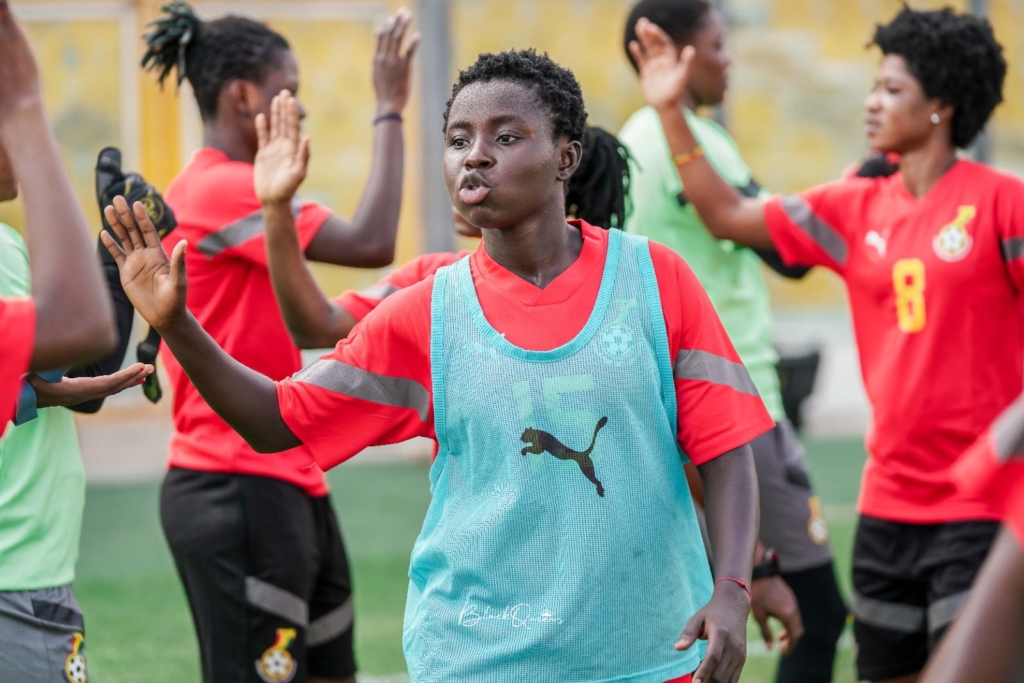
(381, 256)
(310, 337)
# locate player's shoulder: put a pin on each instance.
(212, 181)
(671, 270)
(408, 307)
(427, 264)
(980, 175)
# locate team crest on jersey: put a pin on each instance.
(277, 665)
(953, 241)
(618, 341)
(817, 529)
(74, 665)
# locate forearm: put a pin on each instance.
(725, 212)
(74, 316)
(244, 398)
(313, 321)
(731, 508)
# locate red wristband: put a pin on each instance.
(743, 583)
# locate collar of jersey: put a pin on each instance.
(498, 340)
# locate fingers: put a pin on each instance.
(637, 51)
(652, 37)
(178, 276)
(414, 42)
(383, 35)
(706, 672)
(275, 117)
(786, 643)
(114, 221)
(293, 125)
(402, 20)
(304, 153)
(262, 131)
(150, 237)
(691, 632)
(116, 252)
(766, 631)
(127, 220)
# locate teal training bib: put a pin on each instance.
(561, 543)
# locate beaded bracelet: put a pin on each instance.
(688, 157)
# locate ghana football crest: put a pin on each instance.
(277, 665)
(953, 242)
(74, 665)
(617, 341)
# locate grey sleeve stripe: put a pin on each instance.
(890, 615)
(331, 625)
(349, 380)
(1008, 431)
(1013, 248)
(276, 601)
(243, 229)
(823, 234)
(232, 235)
(708, 367)
(381, 290)
(941, 613)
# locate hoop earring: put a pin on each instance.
(935, 119)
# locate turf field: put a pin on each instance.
(138, 627)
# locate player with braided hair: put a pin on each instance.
(554, 330)
(256, 543)
(933, 260)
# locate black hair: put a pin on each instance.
(209, 53)
(599, 189)
(555, 86)
(955, 57)
(680, 19)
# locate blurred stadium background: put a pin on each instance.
(800, 74)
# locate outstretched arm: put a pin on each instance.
(157, 288)
(74, 320)
(313, 321)
(368, 239)
(663, 76)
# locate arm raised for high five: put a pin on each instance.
(313, 321)
(664, 72)
(368, 239)
(157, 287)
(74, 319)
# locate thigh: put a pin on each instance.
(791, 516)
(331, 609)
(889, 601)
(951, 562)
(42, 637)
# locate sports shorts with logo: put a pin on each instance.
(266, 575)
(42, 637)
(791, 518)
(909, 581)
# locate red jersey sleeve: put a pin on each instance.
(994, 467)
(814, 228)
(359, 303)
(1009, 207)
(373, 389)
(719, 407)
(18, 334)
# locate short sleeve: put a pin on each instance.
(1010, 225)
(359, 303)
(814, 228)
(718, 405)
(17, 337)
(245, 238)
(372, 389)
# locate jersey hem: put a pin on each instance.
(929, 516)
(316, 491)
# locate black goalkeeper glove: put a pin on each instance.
(111, 181)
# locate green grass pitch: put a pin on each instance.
(137, 622)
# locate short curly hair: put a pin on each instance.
(955, 57)
(555, 86)
(680, 19)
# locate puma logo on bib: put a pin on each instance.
(539, 441)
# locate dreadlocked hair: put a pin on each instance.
(955, 57)
(599, 189)
(555, 86)
(209, 53)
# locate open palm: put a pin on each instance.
(156, 286)
(664, 71)
(283, 155)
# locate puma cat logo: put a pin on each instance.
(539, 441)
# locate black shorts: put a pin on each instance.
(266, 576)
(909, 580)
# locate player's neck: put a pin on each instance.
(921, 168)
(538, 249)
(229, 140)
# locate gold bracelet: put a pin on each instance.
(688, 157)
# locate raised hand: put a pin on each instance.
(19, 76)
(392, 65)
(155, 285)
(70, 391)
(283, 154)
(664, 71)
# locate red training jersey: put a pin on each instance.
(230, 294)
(994, 467)
(375, 387)
(18, 324)
(935, 290)
(358, 304)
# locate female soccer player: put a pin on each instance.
(255, 542)
(68, 320)
(932, 258)
(562, 369)
(597, 193)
